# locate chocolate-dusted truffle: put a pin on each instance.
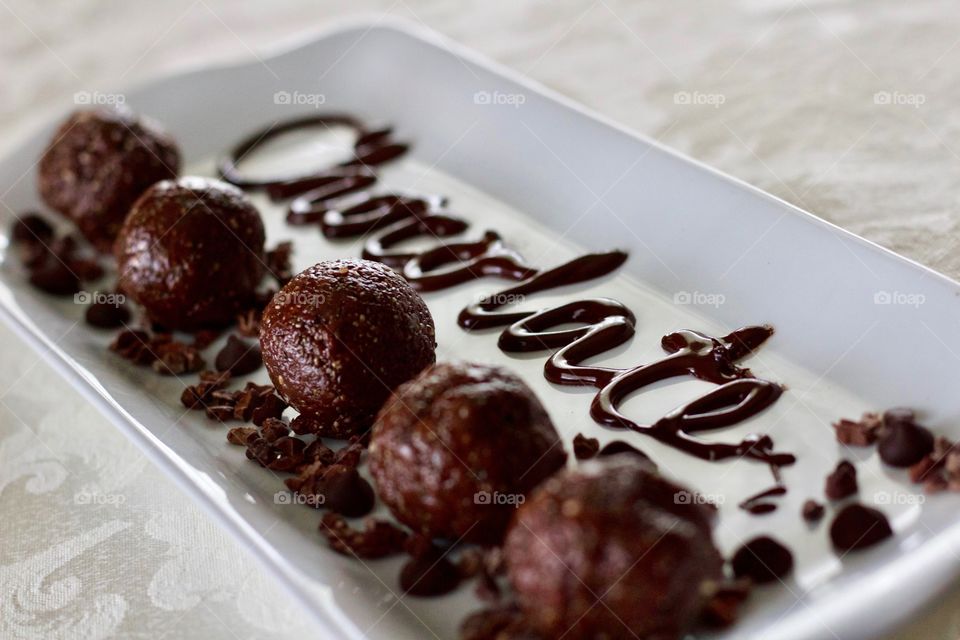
(191, 253)
(339, 337)
(98, 164)
(614, 529)
(457, 449)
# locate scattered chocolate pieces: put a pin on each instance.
(903, 442)
(859, 433)
(106, 315)
(585, 448)
(198, 396)
(240, 435)
(842, 482)
(278, 262)
(338, 487)
(238, 357)
(763, 560)
(858, 527)
(429, 573)
(812, 511)
(377, 539)
(175, 358)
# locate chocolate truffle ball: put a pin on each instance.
(457, 449)
(191, 253)
(339, 337)
(98, 164)
(616, 529)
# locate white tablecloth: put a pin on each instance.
(846, 108)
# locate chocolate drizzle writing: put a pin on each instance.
(605, 324)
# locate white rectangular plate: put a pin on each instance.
(556, 181)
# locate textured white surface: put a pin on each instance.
(798, 115)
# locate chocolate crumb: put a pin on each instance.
(54, 277)
(278, 262)
(858, 527)
(105, 315)
(585, 448)
(175, 358)
(377, 539)
(763, 560)
(238, 357)
(842, 482)
(429, 574)
(859, 433)
(347, 492)
(813, 511)
(240, 435)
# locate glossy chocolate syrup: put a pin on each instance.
(400, 218)
(371, 147)
(608, 323)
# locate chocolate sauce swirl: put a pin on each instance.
(607, 323)
(371, 147)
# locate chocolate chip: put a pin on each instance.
(52, 276)
(585, 448)
(763, 560)
(278, 262)
(175, 358)
(858, 527)
(104, 315)
(31, 228)
(429, 574)
(271, 406)
(842, 482)
(812, 511)
(238, 357)
(904, 443)
(347, 492)
(377, 539)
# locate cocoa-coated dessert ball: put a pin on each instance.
(457, 449)
(339, 337)
(191, 253)
(616, 529)
(97, 165)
